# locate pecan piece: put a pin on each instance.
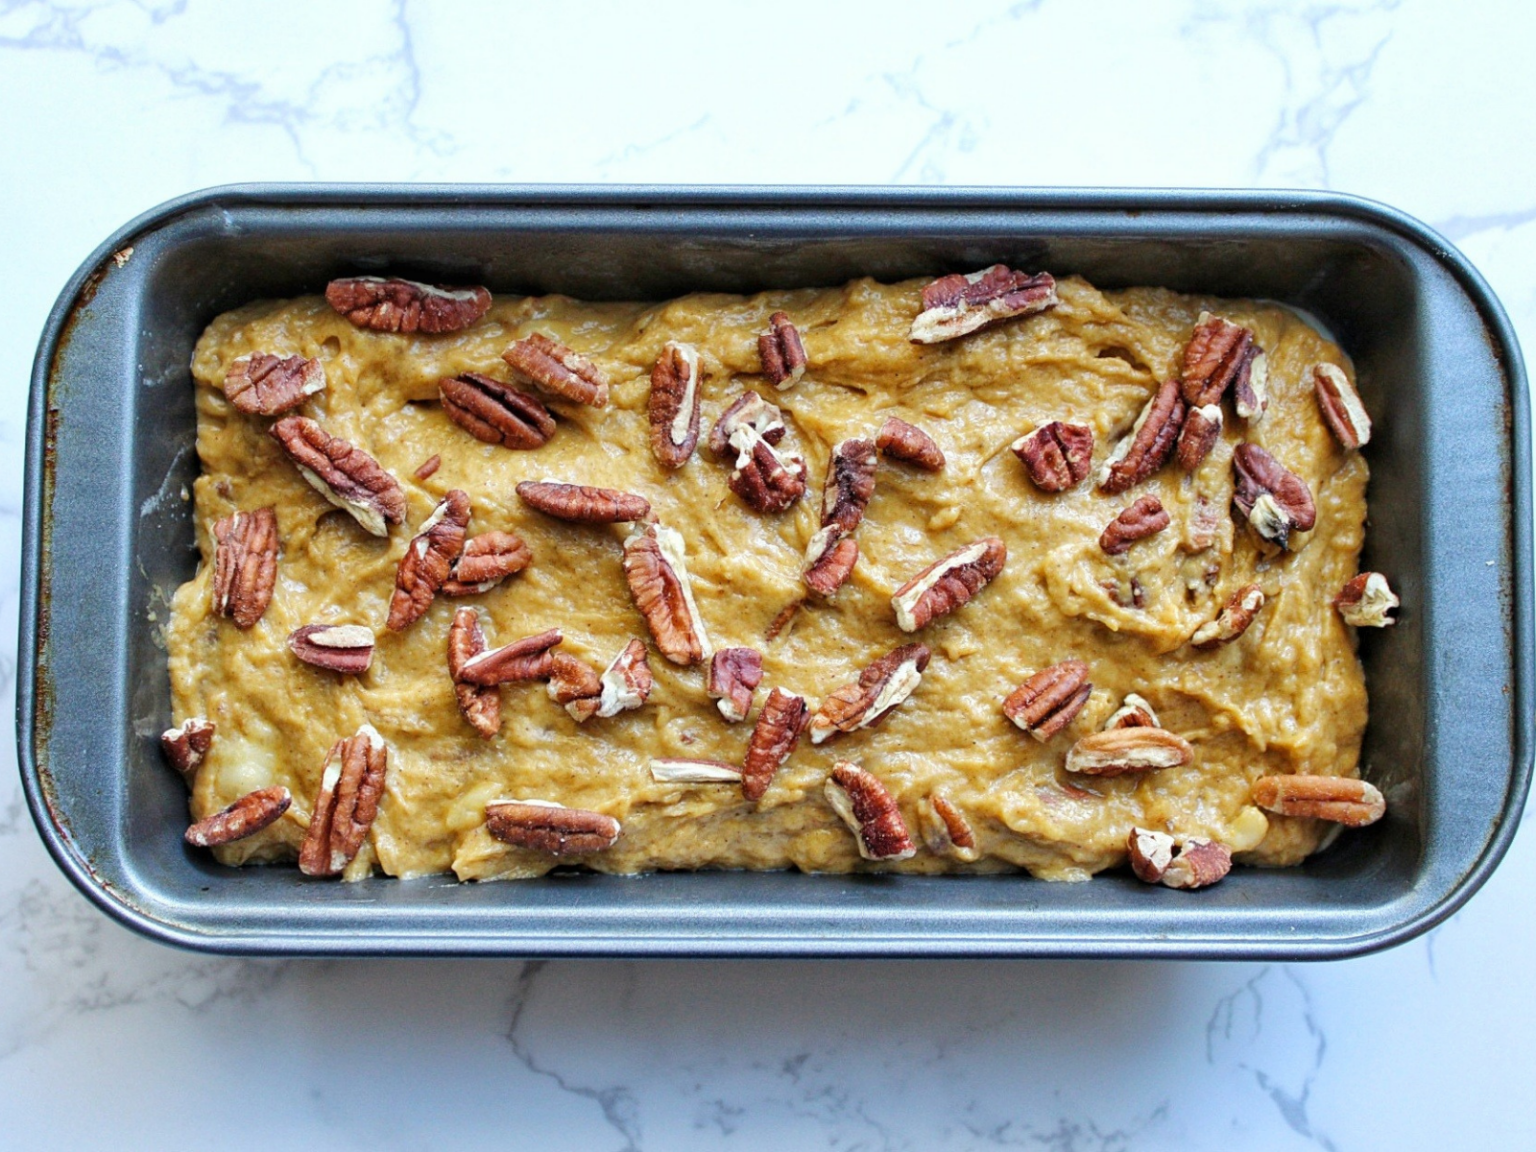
(862, 802)
(948, 583)
(781, 351)
(748, 411)
(1202, 428)
(850, 484)
(428, 467)
(1150, 853)
(675, 770)
(481, 706)
(554, 829)
(1204, 525)
(1050, 699)
(244, 565)
(428, 560)
(574, 685)
(874, 695)
(1341, 406)
(347, 476)
(674, 404)
(1199, 864)
(1365, 601)
(1344, 801)
(734, 674)
(395, 305)
(945, 829)
(245, 817)
(186, 745)
(1149, 443)
(1276, 502)
(898, 440)
(265, 385)
(624, 685)
(486, 561)
(496, 413)
(558, 369)
(1233, 620)
(958, 305)
(1146, 517)
(1218, 352)
(829, 560)
(1057, 456)
(582, 504)
(527, 659)
(344, 648)
(774, 737)
(767, 479)
(1250, 391)
(1122, 750)
(351, 785)
(657, 572)
(1134, 712)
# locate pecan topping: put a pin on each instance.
(1204, 525)
(527, 659)
(948, 583)
(734, 674)
(348, 477)
(186, 745)
(899, 440)
(1050, 699)
(829, 560)
(1122, 750)
(945, 829)
(657, 572)
(1150, 853)
(862, 803)
(774, 737)
(574, 685)
(958, 305)
(496, 413)
(674, 770)
(874, 696)
(245, 817)
(1058, 456)
(1275, 501)
(1233, 620)
(1134, 712)
(782, 353)
(583, 504)
(1144, 518)
(486, 561)
(1365, 601)
(1344, 801)
(1250, 391)
(344, 648)
(481, 706)
(265, 385)
(428, 559)
(1202, 428)
(623, 686)
(1341, 406)
(850, 484)
(550, 828)
(351, 785)
(558, 369)
(749, 411)
(394, 305)
(1149, 443)
(1199, 864)
(244, 565)
(674, 404)
(767, 479)
(429, 467)
(1218, 352)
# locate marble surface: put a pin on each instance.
(111, 106)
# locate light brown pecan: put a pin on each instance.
(945, 829)
(1204, 524)
(582, 504)
(496, 413)
(774, 737)
(428, 560)
(676, 770)
(850, 484)
(1250, 391)
(1056, 455)
(734, 674)
(898, 440)
(829, 560)
(1149, 443)
(244, 565)
(481, 706)
(624, 685)
(1365, 601)
(767, 479)
(1050, 699)
(574, 685)
(1202, 428)
(347, 476)
(265, 385)
(344, 648)
(958, 305)
(558, 369)
(783, 619)
(553, 829)
(395, 305)
(351, 786)
(486, 561)
(1337, 798)
(1150, 853)
(781, 351)
(674, 404)
(1276, 502)
(748, 411)
(186, 745)
(883, 685)
(1218, 352)
(1122, 750)
(1146, 517)
(657, 572)
(862, 802)
(1341, 406)
(245, 817)
(526, 659)
(1134, 712)
(1233, 620)
(1199, 864)
(948, 583)
(429, 467)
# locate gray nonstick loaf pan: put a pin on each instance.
(108, 537)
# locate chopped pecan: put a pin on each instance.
(265, 385)
(958, 305)
(657, 572)
(347, 476)
(748, 411)
(948, 583)
(945, 829)
(899, 440)
(623, 686)
(1057, 456)
(1050, 699)
(429, 467)
(244, 565)
(394, 305)
(583, 504)
(675, 770)
(496, 413)
(1134, 712)
(1122, 750)
(558, 369)
(1199, 864)
(186, 745)
(782, 619)
(862, 803)
(344, 648)
(782, 353)
(526, 659)
(1233, 620)
(850, 484)
(1275, 501)
(1365, 601)
(428, 560)
(1344, 801)
(766, 478)
(734, 674)
(1202, 428)
(774, 737)
(351, 785)
(245, 817)
(1146, 517)
(1218, 352)
(574, 685)
(1150, 853)
(481, 706)
(674, 404)
(553, 829)
(1341, 406)
(1250, 391)
(1204, 525)
(873, 696)
(486, 561)
(1149, 443)
(829, 560)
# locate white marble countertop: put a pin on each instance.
(111, 106)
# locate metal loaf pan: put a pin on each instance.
(110, 447)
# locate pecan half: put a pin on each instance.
(1250, 391)
(244, 565)
(481, 706)
(1365, 601)
(781, 351)
(347, 476)
(1056, 455)
(829, 560)
(428, 560)
(1233, 620)
(553, 829)
(657, 572)
(1217, 353)
(948, 583)
(675, 770)
(1146, 517)
(245, 817)
(945, 829)
(1150, 853)
(582, 504)
(734, 674)
(344, 648)
(526, 659)
(774, 737)
(1149, 443)
(1202, 428)
(862, 803)
(1134, 712)
(748, 411)
(873, 696)
(674, 404)
(1199, 864)
(1341, 406)
(428, 467)
(558, 369)
(1275, 501)
(351, 785)
(496, 413)
(850, 484)
(265, 385)
(1344, 801)
(1122, 750)
(898, 440)
(1050, 699)
(624, 685)
(958, 305)
(574, 685)
(486, 561)
(186, 745)
(395, 305)
(766, 478)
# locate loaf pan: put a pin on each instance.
(109, 535)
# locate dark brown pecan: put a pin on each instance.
(1146, 517)
(496, 413)
(394, 305)
(829, 560)
(1276, 502)
(558, 369)
(1058, 456)
(899, 440)
(186, 745)
(1150, 852)
(553, 829)
(347, 476)
(428, 560)
(527, 659)
(774, 737)
(244, 565)
(948, 583)
(624, 685)
(351, 786)
(1133, 749)
(674, 404)
(960, 304)
(1365, 601)
(1337, 798)
(429, 467)
(486, 561)
(883, 685)
(850, 484)
(1199, 864)
(1202, 428)
(750, 411)
(1217, 353)
(734, 674)
(583, 504)
(782, 353)
(657, 573)
(1233, 620)
(1149, 443)
(767, 479)
(945, 829)
(1050, 699)
(574, 685)
(481, 706)
(245, 817)
(344, 648)
(863, 804)
(265, 385)
(1341, 406)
